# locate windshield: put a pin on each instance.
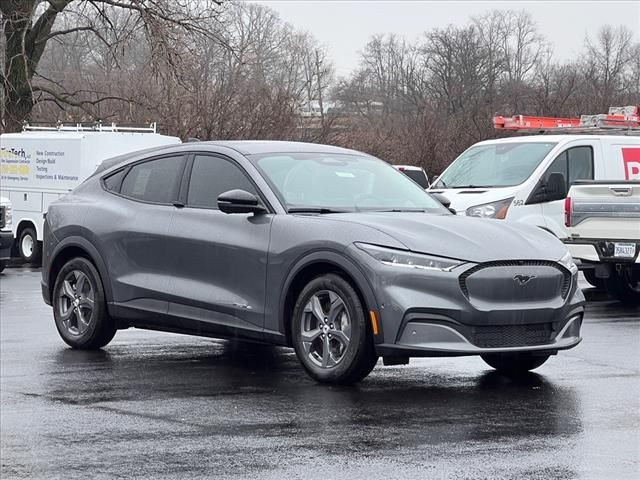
(341, 182)
(496, 165)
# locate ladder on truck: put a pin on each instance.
(625, 120)
(88, 127)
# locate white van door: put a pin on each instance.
(577, 162)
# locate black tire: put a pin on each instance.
(590, 277)
(99, 328)
(358, 358)
(3, 265)
(28, 237)
(517, 363)
(625, 285)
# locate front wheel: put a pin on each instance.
(330, 332)
(79, 306)
(517, 363)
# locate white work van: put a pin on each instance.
(526, 178)
(40, 164)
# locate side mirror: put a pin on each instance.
(239, 201)
(556, 188)
(446, 203)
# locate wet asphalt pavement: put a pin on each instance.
(157, 405)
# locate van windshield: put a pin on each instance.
(496, 165)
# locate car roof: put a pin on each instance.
(258, 147)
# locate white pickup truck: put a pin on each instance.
(603, 223)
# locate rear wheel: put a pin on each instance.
(79, 306)
(516, 363)
(29, 248)
(330, 333)
(625, 285)
(3, 265)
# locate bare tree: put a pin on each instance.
(607, 64)
(28, 27)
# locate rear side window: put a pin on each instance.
(113, 181)
(417, 176)
(154, 181)
(212, 176)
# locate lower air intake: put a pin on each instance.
(511, 335)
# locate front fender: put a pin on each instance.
(340, 261)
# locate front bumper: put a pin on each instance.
(474, 309)
(6, 243)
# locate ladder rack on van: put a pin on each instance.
(619, 120)
(88, 127)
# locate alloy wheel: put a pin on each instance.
(75, 302)
(326, 329)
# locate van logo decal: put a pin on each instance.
(522, 280)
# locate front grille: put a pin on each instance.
(2, 217)
(496, 336)
(566, 283)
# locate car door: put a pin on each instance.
(574, 163)
(219, 260)
(134, 243)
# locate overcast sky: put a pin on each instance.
(345, 26)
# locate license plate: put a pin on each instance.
(626, 250)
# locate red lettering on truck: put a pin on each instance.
(631, 158)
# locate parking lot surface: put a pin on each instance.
(158, 405)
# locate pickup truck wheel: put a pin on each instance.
(514, 364)
(79, 306)
(330, 333)
(590, 277)
(28, 246)
(625, 285)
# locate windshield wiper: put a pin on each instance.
(471, 186)
(321, 210)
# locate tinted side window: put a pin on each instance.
(113, 181)
(154, 181)
(580, 164)
(212, 176)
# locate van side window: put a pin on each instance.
(154, 181)
(580, 164)
(574, 163)
(211, 176)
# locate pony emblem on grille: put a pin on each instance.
(522, 280)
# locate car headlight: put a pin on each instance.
(491, 210)
(567, 262)
(8, 216)
(407, 259)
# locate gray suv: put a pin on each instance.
(327, 250)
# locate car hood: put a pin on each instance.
(460, 237)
